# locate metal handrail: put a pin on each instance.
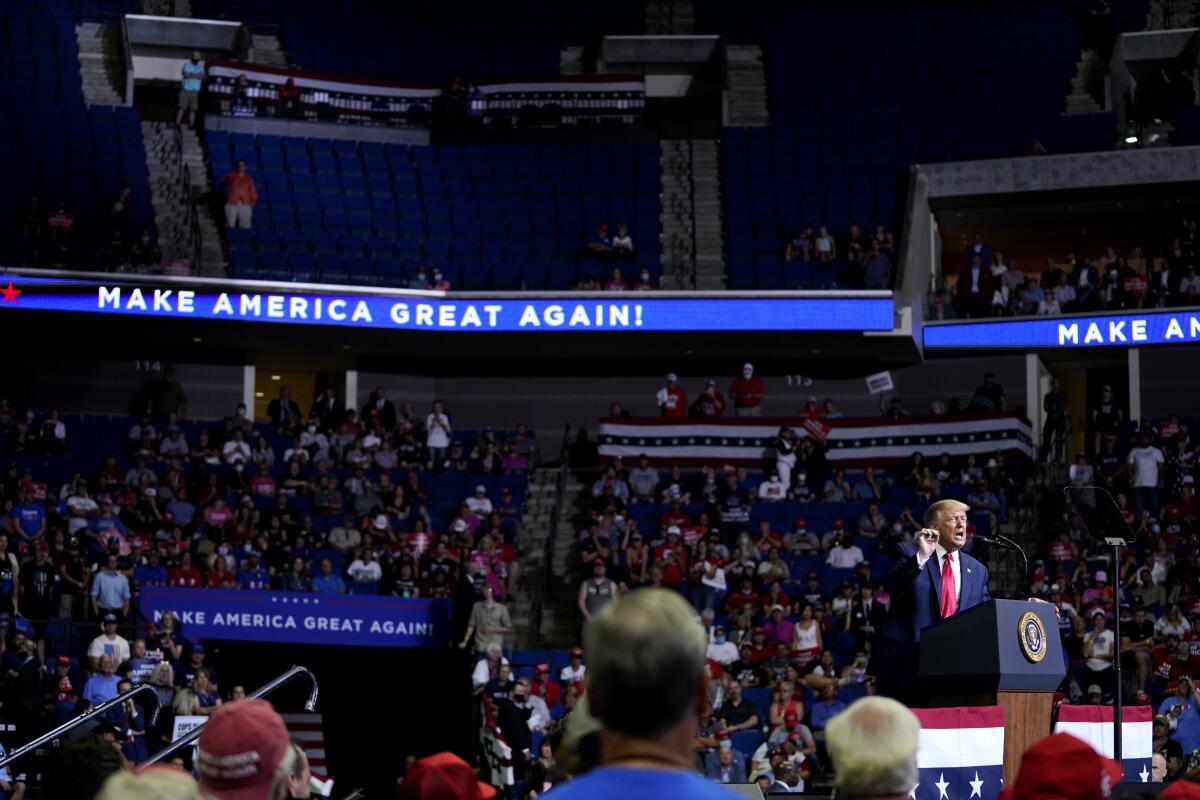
(183, 741)
(539, 602)
(77, 721)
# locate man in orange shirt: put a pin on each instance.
(240, 197)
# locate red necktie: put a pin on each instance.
(949, 594)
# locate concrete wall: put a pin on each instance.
(78, 386)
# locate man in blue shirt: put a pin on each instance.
(253, 576)
(150, 573)
(110, 590)
(102, 686)
(1183, 708)
(327, 582)
(828, 708)
(189, 89)
(30, 517)
(648, 707)
(182, 511)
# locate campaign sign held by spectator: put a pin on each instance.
(363, 621)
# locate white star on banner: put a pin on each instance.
(942, 783)
(1144, 775)
(913, 793)
(976, 786)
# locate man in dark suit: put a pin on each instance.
(928, 580)
(329, 409)
(867, 616)
(381, 409)
(284, 412)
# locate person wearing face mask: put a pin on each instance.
(644, 281)
(747, 392)
(721, 650)
(514, 714)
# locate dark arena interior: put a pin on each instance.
(448, 401)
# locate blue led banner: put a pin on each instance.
(1111, 330)
(431, 312)
(300, 618)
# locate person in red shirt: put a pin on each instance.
(545, 687)
(185, 575)
(672, 557)
(241, 195)
(672, 401)
(747, 393)
(676, 517)
(763, 650)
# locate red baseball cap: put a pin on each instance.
(64, 660)
(1061, 767)
(1181, 790)
(791, 718)
(576, 652)
(801, 522)
(443, 776)
(543, 668)
(241, 747)
(838, 524)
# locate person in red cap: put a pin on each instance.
(244, 753)
(545, 687)
(575, 671)
(1061, 767)
(443, 776)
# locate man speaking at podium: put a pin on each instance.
(928, 580)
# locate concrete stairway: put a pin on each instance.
(268, 50)
(706, 214)
(1089, 74)
(99, 64)
(560, 618)
(212, 251)
(677, 257)
(670, 17)
(747, 98)
(170, 198)
(693, 241)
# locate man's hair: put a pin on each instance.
(873, 745)
(933, 514)
(157, 783)
(80, 767)
(647, 661)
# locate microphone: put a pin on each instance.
(999, 542)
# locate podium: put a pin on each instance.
(1006, 653)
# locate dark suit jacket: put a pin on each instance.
(860, 616)
(387, 415)
(275, 411)
(916, 594)
(987, 285)
(329, 410)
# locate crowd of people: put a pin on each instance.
(988, 285)
(862, 260)
(298, 503)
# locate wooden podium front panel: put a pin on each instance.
(1026, 719)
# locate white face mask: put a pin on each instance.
(312, 428)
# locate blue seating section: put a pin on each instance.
(91, 439)
(106, 10)
(432, 41)
(51, 144)
(853, 104)
(490, 217)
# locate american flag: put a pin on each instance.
(307, 730)
(848, 441)
(960, 754)
(1094, 725)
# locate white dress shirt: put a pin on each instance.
(955, 565)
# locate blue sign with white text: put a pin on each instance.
(302, 618)
(430, 311)
(1110, 330)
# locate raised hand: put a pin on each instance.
(927, 539)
